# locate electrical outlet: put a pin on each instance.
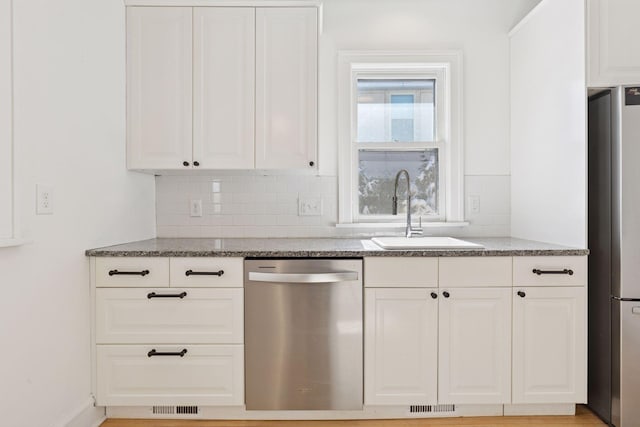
(309, 206)
(44, 199)
(474, 204)
(195, 207)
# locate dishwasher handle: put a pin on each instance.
(331, 277)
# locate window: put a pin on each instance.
(399, 111)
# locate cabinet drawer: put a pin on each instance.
(550, 271)
(475, 271)
(207, 272)
(400, 272)
(204, 375)
(128, 272)
(157, 316)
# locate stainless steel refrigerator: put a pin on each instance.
(614, 261)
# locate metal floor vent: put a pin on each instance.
(175, 410)
(164, 410)
(426, 409)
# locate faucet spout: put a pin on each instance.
(410, 230)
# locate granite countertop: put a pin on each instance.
(320, 247)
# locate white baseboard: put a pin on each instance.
(540, 409)
(85, 415)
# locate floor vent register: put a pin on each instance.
(427, 409)
(175, 410)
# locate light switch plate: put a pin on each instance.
(44, 199)
(474, 204)
(309, 206)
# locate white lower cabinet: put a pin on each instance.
(427, 340)
(169, 339)
(474, 346)
(133, 375)
(549, 345)
(401, 337)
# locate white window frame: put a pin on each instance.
(8, 217)
(446, 68)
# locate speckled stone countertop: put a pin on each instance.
(320, 247)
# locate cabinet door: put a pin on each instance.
(475, 346)
(286, 87)
(613, 42)
(223, 87)
(400, 357)
(158, 87)
(549, 345)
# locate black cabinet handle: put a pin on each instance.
(128, 273)
(185, 163)
(565, 271)
(159, 353)
(154, 295)
(434, 295)
(446, 294)
(203, 273)
(311, 163)
(521, 294)
(196, 163)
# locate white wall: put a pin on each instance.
(69, 133)
(548, 125)
(477, 27)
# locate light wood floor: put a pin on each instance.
(583, 417)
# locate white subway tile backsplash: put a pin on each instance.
(241, 205)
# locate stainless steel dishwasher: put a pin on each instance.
(303, 334)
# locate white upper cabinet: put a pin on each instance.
(159, 87)
(223, 87)
(613, 42)
(286, 87)
(549, 345)
(474, 363)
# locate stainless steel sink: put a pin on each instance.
(423, 243)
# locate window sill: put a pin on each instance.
(401, 225)
(8, 243)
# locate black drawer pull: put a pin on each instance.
(128, 273)
(154, 295)
(565, 271)
(203, 273)
(159, 353)
(521, 294)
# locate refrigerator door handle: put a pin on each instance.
(626, 299)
